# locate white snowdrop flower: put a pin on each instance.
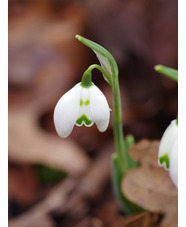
(174, 163)
(80, 106)
(168, 151)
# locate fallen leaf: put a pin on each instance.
(143, 220)
(71, 196)
(89, 221)
(145, 152)
(149, 185)
(39, 214)
(22, 183)
(28, 143)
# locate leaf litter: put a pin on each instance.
(149, 185)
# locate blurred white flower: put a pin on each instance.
(80, 106)
(168, 151)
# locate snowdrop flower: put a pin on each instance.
(168, 151)
(81, 105)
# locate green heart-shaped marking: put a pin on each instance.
(164, 158)
(82, 119)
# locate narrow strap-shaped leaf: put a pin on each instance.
(107, 61)
(167, 71)
(129, 141)
(117, 175)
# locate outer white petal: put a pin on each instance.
(167, 142)
(99, 108)
(174, 163)
(66, 111)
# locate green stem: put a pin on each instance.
(118, 127)
(121, 161)
(125, 161)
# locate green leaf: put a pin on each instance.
(48, 175)
(167, 71)
(117, 176)
(129, 141)
(127, 206)
(107, 61)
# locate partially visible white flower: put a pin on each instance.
(174, 163)
(168, 151)
(80, 106)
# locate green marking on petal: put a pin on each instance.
(82, 119)
(81, 102)
(86, 103)
(164, 159)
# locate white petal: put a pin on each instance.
(104, 63)
(99, 108)
(66, 111)
(174, 164)
(169, 137)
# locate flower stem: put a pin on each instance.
(118, 128)
(125, 161)
(86, 79)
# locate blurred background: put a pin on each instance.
(66, 182)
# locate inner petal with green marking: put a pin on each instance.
(164, 159)
(84, 119)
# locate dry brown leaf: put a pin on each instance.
(22, 183)
(39, 214)
(90, 221)
(149, 185)
(151, 189)
(28, 143)
(71, 196)
(38, 40)
(143, 220)
(41, 65)
(145, 152)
